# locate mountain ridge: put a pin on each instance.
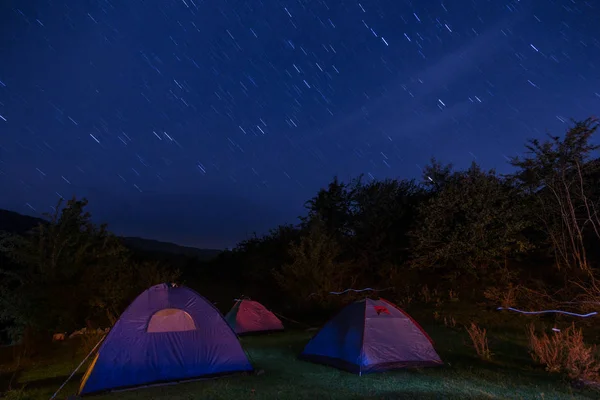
(14, 222)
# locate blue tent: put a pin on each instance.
(167, 334)
(371, 336)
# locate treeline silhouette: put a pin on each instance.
(530, 239)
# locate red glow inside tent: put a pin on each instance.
(248, 316)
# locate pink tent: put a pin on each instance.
(248, 316)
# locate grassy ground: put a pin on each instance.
(510, 374)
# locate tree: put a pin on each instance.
(114, 286)
(383, 214)
(475, 220)
(560, 175)
(435, 175)
(258, 258)
(315, 269)
(41, 289)
(248, 269)
(333, 207)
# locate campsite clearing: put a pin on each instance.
(510, 374)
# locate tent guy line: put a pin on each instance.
(79, 366)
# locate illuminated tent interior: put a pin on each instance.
(248, 316)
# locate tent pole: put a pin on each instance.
(76, 369)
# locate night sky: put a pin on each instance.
(202, 121)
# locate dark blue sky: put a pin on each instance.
(200, 121)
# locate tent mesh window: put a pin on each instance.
(171, 320)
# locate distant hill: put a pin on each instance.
(150, 245)
(14, 222)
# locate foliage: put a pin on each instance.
(259, 258)
(370, 222)
(114, 286)
(19, 394)
(48, 265)
(315, 268)
(333, 207)
(473, 220)
(67, 270)
(504, 296)
(436, 175)
(565, 352)
(480, 342)
(382, 216)
(559, 173)
(496, 237)
(89, 341)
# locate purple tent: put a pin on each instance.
(371, 336)
(167, 334)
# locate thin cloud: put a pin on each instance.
(447, 70)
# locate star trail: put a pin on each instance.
(201, 122)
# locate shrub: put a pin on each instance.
(452, 295)
(480, 343)
(18, 394)
(505, 297)
(89, 340)
(450, 322)
(565, 352)
(404, 295)
(425, 294)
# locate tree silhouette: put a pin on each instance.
(559, 175)
(41, 289)
(316, 269)
(474, 221)
(68, 270)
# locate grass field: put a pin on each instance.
(510, 375)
